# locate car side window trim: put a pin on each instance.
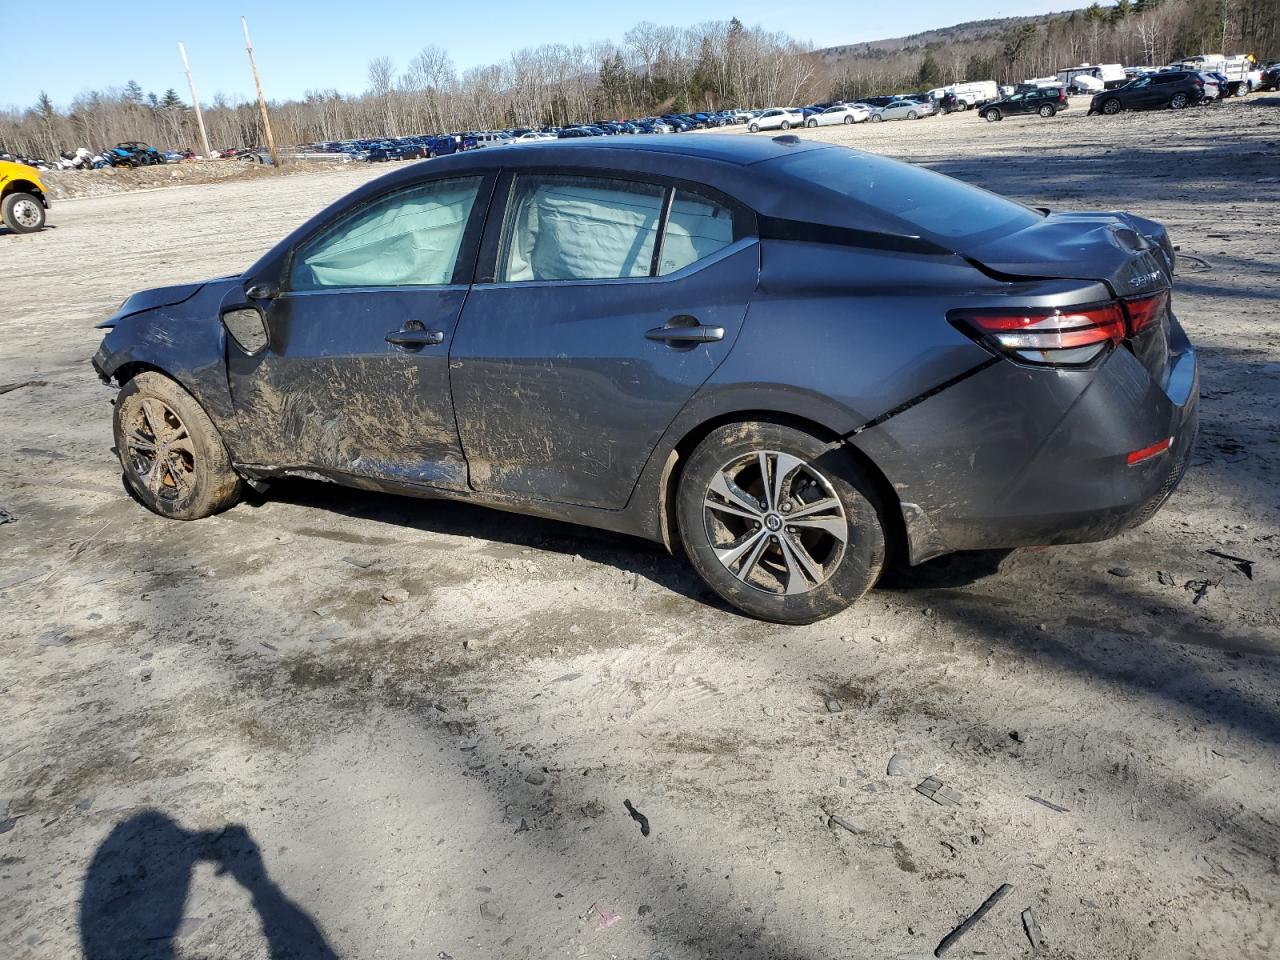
(500, 208)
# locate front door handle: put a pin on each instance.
(415, 338)
(679, 330)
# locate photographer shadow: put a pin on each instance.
(135, 892)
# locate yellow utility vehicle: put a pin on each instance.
(23, 199)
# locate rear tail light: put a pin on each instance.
(1073, 337)
(1144, 311)
(1065, 337)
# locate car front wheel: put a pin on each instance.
(754, 128)
(993, 115)
(22, 212)
(173, 457)
(811, 123)
(780, 524)
(1111, 107)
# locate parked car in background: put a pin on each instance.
(590, 368)
(1270, 77)
(902, 110)
(777, 118)
(1173, 89)
(23, 198)
(840, 113)
(1042, 101)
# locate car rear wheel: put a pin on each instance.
(22, 212)
(779, 523)
(993, 115)
(912, 115)
(1178, 101)
(811, 123)
(961, 107)
(173, 458)
(1047, 110)
(848, 119)
(1111, 107)
(754, 128)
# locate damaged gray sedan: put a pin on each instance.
(794, 362)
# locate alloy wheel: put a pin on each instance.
(161, 453)
(775, 522)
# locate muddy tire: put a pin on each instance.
(780, 524)
(22, 212)
(173, 458)
(912, 115)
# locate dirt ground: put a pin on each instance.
(219, 741)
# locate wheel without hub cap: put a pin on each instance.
(22, 213)
(779, 523)
(172, 455)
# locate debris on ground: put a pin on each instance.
(536, 777)
(1200, 588)
(1165, 578)
(490, 914)
(600, 916)
(7, 517)
(1121, 572)
(10, 387)
(638, 817)
(1046, 803)
(1241, 564)
(938, 792)
(1032, 927)
(396, 595)
(949, 940)
(54, 637)
(834, 705)
(359, 562)
(900, 765)
(840, 821)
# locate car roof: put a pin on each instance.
(735, 149)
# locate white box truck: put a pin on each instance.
(970, 94)
(1111, 75)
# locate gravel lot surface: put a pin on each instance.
(220, 741)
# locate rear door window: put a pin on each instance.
(696, 228)
(579, 228)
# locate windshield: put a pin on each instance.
(921, 201)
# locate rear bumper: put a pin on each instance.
(1013, 457)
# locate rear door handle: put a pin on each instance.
(695, 333)
(415, 338)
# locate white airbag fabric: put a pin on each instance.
(578, 229)
(695, 229)
(410, 238)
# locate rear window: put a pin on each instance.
(921, 201)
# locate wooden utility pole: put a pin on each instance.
(262, 103)
(195, 102)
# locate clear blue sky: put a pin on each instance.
(77, 45)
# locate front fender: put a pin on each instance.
(184, 341)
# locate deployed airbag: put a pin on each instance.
(408, 238)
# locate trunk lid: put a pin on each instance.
(1131, 255)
